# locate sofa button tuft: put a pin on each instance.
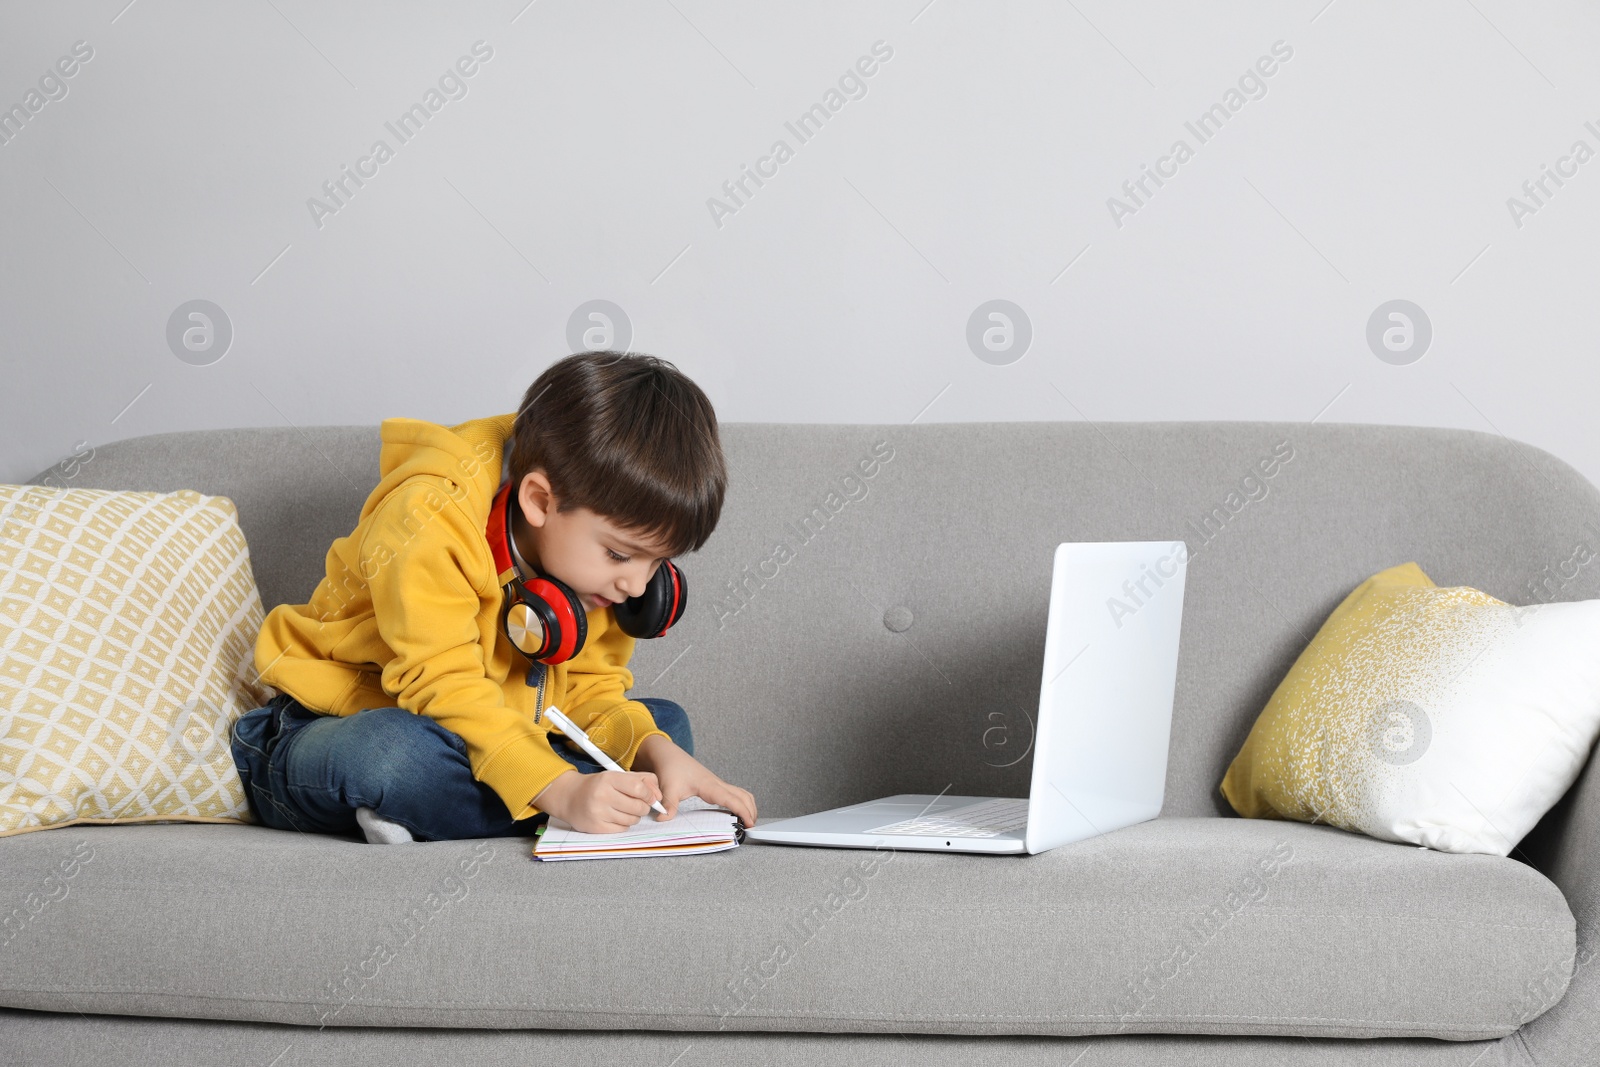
(897, 619)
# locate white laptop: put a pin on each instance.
(1100, 742)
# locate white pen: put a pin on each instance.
(572, 730)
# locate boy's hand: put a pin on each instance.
(681, 775)
(605, 802)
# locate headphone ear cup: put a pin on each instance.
(552, 612)
(525, 626)
(662, 603)
(569, 607)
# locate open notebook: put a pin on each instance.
(698, 827)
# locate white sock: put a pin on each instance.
(381, 831)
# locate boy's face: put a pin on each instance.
(603, 563)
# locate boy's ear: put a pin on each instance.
(535, 496)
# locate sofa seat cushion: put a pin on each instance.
(1179, 925)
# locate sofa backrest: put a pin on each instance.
(869, 617)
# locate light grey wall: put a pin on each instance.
(1379, 161)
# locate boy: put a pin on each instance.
(403, 707)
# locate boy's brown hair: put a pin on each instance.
(631, 438)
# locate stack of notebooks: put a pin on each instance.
(698, 827)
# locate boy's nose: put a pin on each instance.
(635, 585)
(631, 588)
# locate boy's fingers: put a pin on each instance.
(657, 793)
(652, 787)
(638, 784)
(731, 796)
(742, 802)
(748, 808)
(627, 802)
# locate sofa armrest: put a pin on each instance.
(1565, 846)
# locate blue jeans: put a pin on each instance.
(303, 770)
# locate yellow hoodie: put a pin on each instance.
(408, 615)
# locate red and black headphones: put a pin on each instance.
(545, 619)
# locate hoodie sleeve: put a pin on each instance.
(416, 556)
(597, 677)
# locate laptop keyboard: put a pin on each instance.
(987, 818)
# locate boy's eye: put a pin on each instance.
(619, 559)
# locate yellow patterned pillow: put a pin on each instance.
(1439, 717)
(128, 625)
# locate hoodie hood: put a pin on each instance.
(470, 455)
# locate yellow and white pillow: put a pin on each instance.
(128, 624)
(1435, 716)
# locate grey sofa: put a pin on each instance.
(893, 645)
